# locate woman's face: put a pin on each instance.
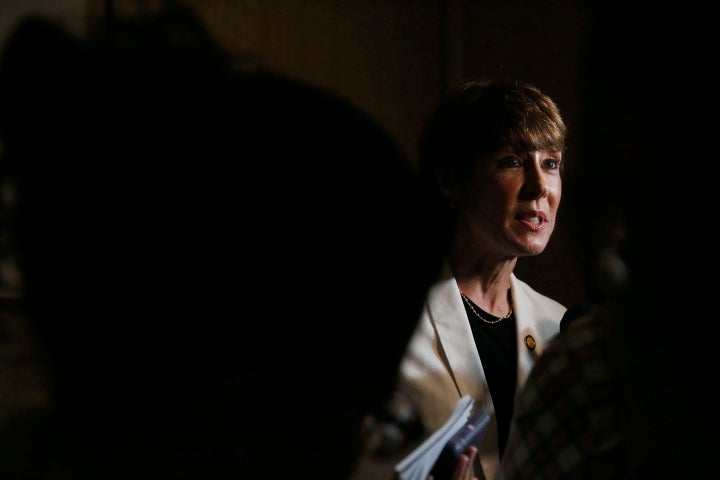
(509, 202)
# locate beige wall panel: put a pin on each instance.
(394, 58)
(382, 56)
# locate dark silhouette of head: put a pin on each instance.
(222, 266)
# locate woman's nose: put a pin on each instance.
(535, 185)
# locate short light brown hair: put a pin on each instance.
(478, 117)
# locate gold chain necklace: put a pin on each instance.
(472, 307)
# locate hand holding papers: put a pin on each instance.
(439, 452)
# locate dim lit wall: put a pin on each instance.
(394, 60)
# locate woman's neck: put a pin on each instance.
(484, 278)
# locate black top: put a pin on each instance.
(497, 346)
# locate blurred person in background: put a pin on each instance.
(222, 267)
(623, 391)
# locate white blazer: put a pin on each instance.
(442, 363)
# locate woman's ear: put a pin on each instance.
(446, 180)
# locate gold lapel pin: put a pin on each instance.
(530, 342)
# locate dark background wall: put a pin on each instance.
(393, 59)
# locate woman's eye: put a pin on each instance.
(551, 163)
(510, 162)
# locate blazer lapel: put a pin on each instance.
(456, 344)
